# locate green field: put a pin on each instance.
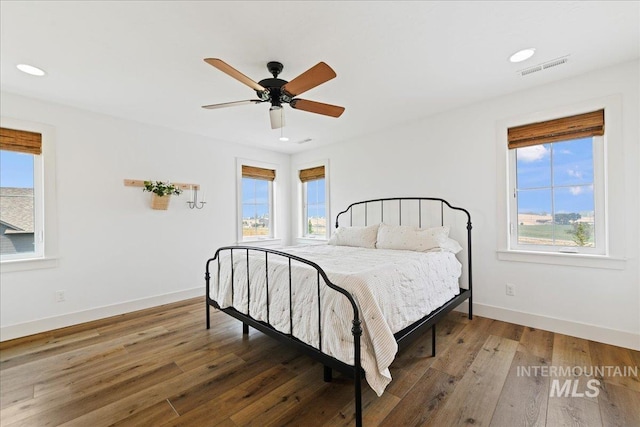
(545, 232)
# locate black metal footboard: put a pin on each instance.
(329, 362)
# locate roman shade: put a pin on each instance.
(21, 141)
(572, 127)
(258, 173)
(311, 174)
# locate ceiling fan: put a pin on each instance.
(277, 91)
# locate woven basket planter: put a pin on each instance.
(160, 202)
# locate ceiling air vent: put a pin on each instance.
(555, 63)
(544, 66)
(530, 70)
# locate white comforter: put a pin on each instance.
(392, 289)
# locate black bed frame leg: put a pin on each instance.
(208, 315)
(245, 329)
(327, 374)
(356, 330)
(433, 340)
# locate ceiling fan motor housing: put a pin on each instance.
(274, 85)
(275, 94)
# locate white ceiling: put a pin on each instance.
(395, 61)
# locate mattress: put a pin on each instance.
(392, 289)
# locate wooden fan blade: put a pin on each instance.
(311, 78)
(232, 104)
(228, 69)
(317, 107)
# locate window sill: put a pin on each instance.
(265, 243)
(577, 260)
(10, 266)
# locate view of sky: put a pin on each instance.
(562, 172)
(16, 169)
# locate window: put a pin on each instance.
(21, 195)
(314, 202)
(257, 202)
(557, 185)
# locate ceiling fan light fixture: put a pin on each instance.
(276, 115)
(30, 69)
(522, 55)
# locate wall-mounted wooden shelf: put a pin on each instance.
(140, 183)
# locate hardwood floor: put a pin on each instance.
(161, 367)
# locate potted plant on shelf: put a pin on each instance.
(161, 193)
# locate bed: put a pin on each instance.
(393, 267)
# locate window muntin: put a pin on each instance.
(21, 221)
(555, 206)
(257, 196)
(314, 210)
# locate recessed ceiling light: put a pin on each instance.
(30, 69)
(283, 139)
(522, 55)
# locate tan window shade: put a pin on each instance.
(20, 140)
(311, 174)
(578, 126)
(258, 173)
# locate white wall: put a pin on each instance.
(116, 254)
(453, 155)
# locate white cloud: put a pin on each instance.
(576, 190)
(532, 153)
(574, 173)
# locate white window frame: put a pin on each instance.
(273, 231)
(614, 193)
(302, 236)
(599, 177)
(45, 201)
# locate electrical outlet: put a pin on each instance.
(60, 296)
(511, 289)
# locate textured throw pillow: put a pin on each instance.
(408, 238)
(362, 237)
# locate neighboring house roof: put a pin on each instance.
(16, 209)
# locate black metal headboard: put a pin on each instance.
(419, 201)
(418, 211)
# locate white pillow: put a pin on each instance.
(362, 237)
(408, 238)
(450, 245)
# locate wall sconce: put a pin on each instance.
(193, 203)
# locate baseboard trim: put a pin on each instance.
(56, 322)
(562, 326)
